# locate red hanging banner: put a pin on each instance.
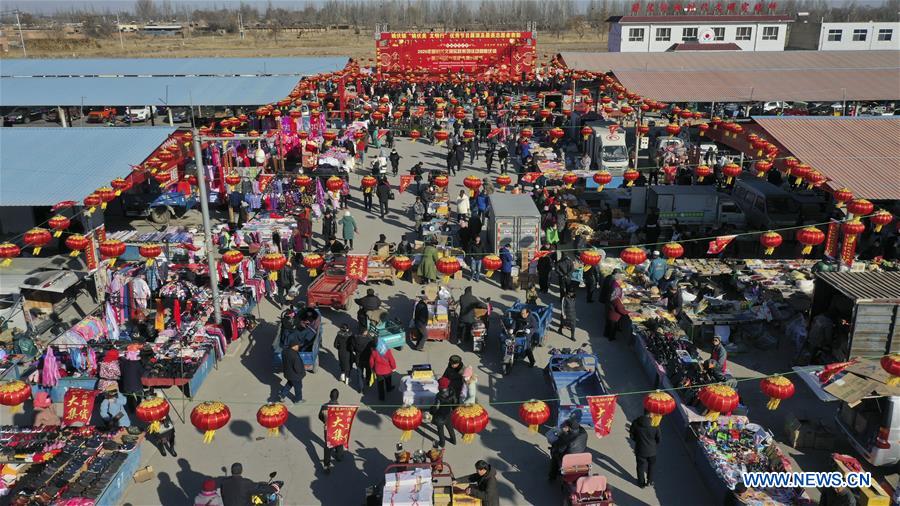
(848, 249)
(832, 239)
(338, 422)
(358, 267)
(90, 254)
(719, 244)
(603, 409)
(78, 404)
(405, 181)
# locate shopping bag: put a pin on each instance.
(371, 379)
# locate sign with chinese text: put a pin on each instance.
(78, 404)
(603, 409)
(500, 54)
(338, 422)
(848, 249)
(832, 239)
(405, 181)
(90, 254)
(358, 267)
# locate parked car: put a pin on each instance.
(24, 115)
(101, 115)
(72, 113)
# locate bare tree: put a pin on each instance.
(145, 10)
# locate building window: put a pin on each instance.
(835, 35)
(859, 35)
(885, 34)
(744, 33)
(665, 34)
(770, 33)
(719, 33)
(689, 34)
(635, 35)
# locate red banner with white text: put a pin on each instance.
(504, 55)
(603, 409)
(358, 267)
(78, 404)
(338, 422)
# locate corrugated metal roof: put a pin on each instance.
(690, 18)
(762, 85)
(181, 91)
(859, 153)
(876, 286)
(89, 67)
(750, 60)
(43, 166)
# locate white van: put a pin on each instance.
(607, 149)
(873, 428)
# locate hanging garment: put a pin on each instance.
(112, 325)
(140, 290)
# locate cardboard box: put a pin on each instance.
(143, 475)
(799, 433)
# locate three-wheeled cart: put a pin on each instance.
(390, 332)
(544, 316)
(419, 483)
(574, 377)
(331, 290)
(308, 322)
(579, 486)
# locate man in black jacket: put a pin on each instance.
(394, 157)
(476, 253)
(384, 195)
(420, 323)
(572, 439)
(370, 302)
(236, 490)
(294, 371)
(338, 451)
(646, 438)
(468, 303)
(544, 268)
(444, 404)
(564, 269)
(484, 480)
(343, 346)
(592, 282)
(362, 344)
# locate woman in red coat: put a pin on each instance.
(383, 366)
(614, 315)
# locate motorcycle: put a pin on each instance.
(269, 493)
(479, 329)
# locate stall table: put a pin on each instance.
(190, 385)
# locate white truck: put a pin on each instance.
(607, 148)
(701, 206)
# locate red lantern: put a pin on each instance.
(491, 263)
(448, 266)
(153, 411)
(731, 171)
(441, 181)
(334, 184)
(569, 179)
(232, 179)
(209, 417)
(367, 183)
(272, 416)
(303, 181)
(59, 223)
(842, 196)
(602, 178)
(37, 238)
(718, 399)
(112, 249)
(459, 114)
(770, 240)
(441, 135)
(605, 100)
(273, 262)
(659, 404)
(672, 251)
(534, 413)
(77, 243)
(473, 183)
(359, 135)
(880, 219)
(762, 167)
(860, 207)
(546, 113)
(673, 129)
(328, 136)
(633, 256)
(556, 134)
(777, 389)
(469, 420)
(891, 365)
(401, 264)
(150, 252)
(809, 237)
(791, 162)
(377, 116)
(13, 393)
(119, 185)
(630, 176)
(626, 109)
(503, 181)
(163, 177)
(716, 121)
(415, 134)
(703, 127)
(590, 258)
(586, 132)
(313, 262)
(526, 133)
(585, 92)
(814, 179)
(407, 419)
(800, 171)
(702, 171)
(303, 135)
(853, 229)
(232, 259)
(468, 134)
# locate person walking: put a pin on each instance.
(616, 315)
(503, 158)
(544, 268)
(383, 190)
(476, 253)
(427, 269)
(329, 226)
(383, 365)
(236, 490)
(394, 158)
(209, 495)
(567, 317)
(441, 410)
(462, 206)
(418, 211)
(367, 199)
(363, 346)
(468, 304)
(564, 269)
(338, 451)
(592, 283)
(460, 158)
(572, 439)
(294, 372)
(348, 229)
(420, 323)
(506, 265)
(343, 346)
(646, 437)
(489, 157)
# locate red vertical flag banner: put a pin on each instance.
(832, 239)
(78, 404)
(338, 422)
(848, 249)
(603, 409)
(719, 244)
(405, 181)
(358, 267)
(90, 254)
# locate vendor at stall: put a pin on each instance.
(45, 414)
(719, 354)
(369, 308)
(112, 408)
(483, 484)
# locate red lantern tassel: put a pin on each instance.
(208, 436)
(406, 436)
(655, 419)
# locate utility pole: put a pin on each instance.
(241, 24)
(207, 231)
(21, 37)
(119, 29)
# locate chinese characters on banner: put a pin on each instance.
(848, 250)
(505, 53)
(405, 181)
(603, 409)
(90, 255)
(338, 422)
(719, 244)
(832, 239)
(78, 404)
(358, 267)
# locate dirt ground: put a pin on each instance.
(328, 43)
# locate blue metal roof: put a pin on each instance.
(102, 67)
(43, 166)
(137, 91)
